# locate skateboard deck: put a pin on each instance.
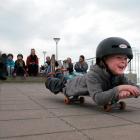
(74, 99)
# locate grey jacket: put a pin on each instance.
(97, 83)
(81, 67)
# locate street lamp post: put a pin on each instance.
(44, 53)
(56, 39)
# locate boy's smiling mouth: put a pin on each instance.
(121, 67)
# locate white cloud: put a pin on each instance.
(80, 24)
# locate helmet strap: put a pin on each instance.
(105, 66)
(129, 60)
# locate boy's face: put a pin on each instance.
(117, 63)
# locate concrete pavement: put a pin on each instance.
(28, 111)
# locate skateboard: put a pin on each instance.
(74, 99)
(107, 108)
(121, 105)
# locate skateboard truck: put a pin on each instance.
(118, 105)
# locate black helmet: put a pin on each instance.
(113, 45)
(20, 55)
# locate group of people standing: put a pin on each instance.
(9, 67)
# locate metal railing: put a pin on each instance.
(133, 66)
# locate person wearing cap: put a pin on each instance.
(20, 68)
(10, 64)
(105, 81)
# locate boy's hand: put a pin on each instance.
(124, 94)
(135, 91)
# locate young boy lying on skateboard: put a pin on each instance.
(105, 82)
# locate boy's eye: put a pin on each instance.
(118, 57)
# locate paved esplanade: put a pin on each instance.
(28, 111)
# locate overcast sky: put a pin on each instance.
(81, 25)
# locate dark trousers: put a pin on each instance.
(56, 84)
(33, 70)
(20, 71)
(3, 71)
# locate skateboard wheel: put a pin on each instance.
(122, 105)
(82, 100)
(67, 100)
(107, 108)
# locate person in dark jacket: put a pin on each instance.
(19, 68)
(3, 71)
(105, 81)
(32, 63)
(70, 65)
(81, 66)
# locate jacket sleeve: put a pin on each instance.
(85, 67)
(96, 91)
